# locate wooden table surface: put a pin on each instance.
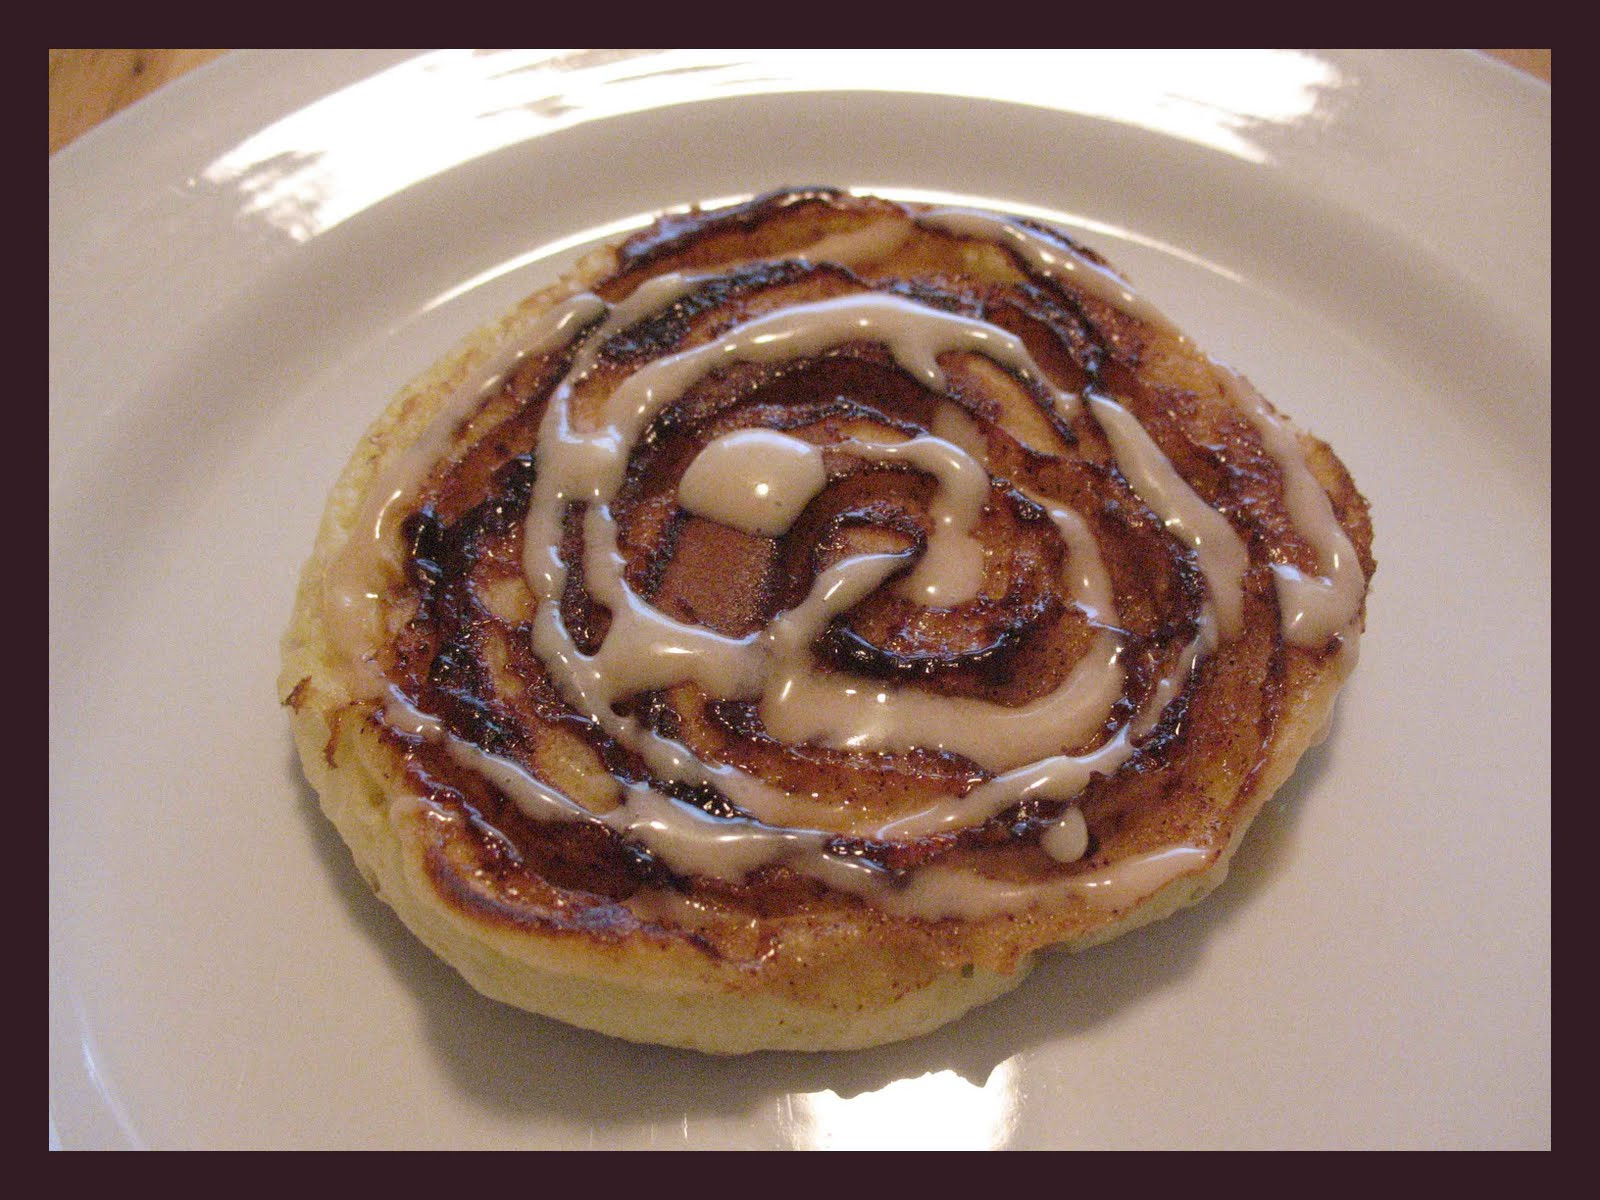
(87, 86)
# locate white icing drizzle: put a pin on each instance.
(759, 481)
(1067, 838)
(958, 894)
(352, 610)
(950, 571)
(1218, 548)
(756, 480)
(690, 841)
(833, 711)
(1053, 259)
(1314, 607)
(1057, 776)
(877, 239)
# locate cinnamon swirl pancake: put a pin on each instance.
(780, 632)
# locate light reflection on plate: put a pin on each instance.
(332, 159)
(937, 1111)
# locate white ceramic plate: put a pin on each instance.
(246, 266)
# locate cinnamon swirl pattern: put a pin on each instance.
(781, 631)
